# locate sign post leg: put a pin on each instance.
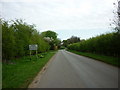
(30, 54)
(36, 54)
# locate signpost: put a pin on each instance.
(33, 47)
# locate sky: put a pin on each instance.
(82, 18)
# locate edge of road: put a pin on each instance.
(93, 59)
(38, 76)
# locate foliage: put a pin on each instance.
(16, 37)
(73, 39)
(106, 44)
(50, 34)
(116, 20)
(51, 38)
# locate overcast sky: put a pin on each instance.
(82, 18)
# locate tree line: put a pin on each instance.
(17, 35)
(105, 44)
(71, 40)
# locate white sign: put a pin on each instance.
(33, 47)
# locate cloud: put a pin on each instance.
(61, 14)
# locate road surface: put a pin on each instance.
(68, 70)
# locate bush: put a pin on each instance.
(106, 44)
(16, 37)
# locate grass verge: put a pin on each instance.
(21, 72)
(106, 59)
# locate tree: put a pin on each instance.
(51, 37)
(73, 39)
(8, 41)
(16, 37)
(57, 42)
(65, 43)
(116, 20)
(50, 34)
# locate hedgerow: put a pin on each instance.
(105, 44)
(16, 37)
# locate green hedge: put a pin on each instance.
(16, 37)
(106, 44)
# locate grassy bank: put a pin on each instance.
(106, 59)
(20, 72)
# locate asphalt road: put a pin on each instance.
(68, 70)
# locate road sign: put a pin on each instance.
(33, 47)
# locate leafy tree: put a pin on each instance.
(73, 39)
(57, 42)
(65, 43)
(16, 37)
(8, 41)
(51, 37)
(50, 34)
